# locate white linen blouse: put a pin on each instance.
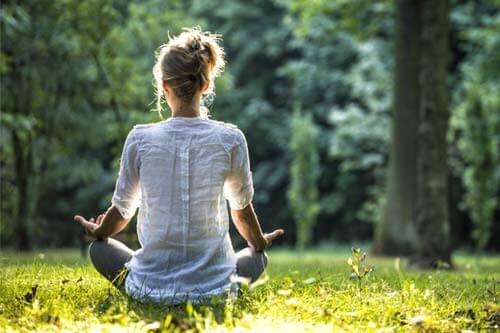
(179, 172)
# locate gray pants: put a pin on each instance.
(109, 257)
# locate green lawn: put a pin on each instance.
(309, 292)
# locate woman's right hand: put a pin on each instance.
(249, 228)
(90, 226)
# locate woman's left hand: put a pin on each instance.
(91, 227)
(273, 235)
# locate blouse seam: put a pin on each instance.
(138, 142)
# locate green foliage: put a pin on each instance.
(49, 109)
(359, 142)
(307, 292)
(303, 190)
(475, 125)
(362, 18)
(345, 80)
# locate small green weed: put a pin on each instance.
(359, 269)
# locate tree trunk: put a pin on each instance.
(23, 164)
(432, 220)
(396, 233)
(416, 221)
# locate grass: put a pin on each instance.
(308, 292)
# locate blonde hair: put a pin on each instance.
(187, 63)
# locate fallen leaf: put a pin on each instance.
(309, 280)
(284, 292)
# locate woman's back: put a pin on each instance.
(180, 173)
(181, 166)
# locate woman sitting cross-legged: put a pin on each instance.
(179, 172)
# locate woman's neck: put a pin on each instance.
(183, 109)
(186, 112)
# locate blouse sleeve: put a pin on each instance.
(238, 187)
(127, 194)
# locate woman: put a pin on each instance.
(180, 172)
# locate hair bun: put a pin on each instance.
(188, 62)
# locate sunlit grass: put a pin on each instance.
(310, 291)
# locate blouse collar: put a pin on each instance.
(179, 118)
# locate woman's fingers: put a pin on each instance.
(270, 237)
(99, 219)
(273, 235)
(86, 224)
(79, 219)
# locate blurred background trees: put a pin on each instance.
(474, 138)
(303, 190)
(76, 76)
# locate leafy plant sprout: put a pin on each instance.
(358, 267)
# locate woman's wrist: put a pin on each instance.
(259, 245)
(100, 233)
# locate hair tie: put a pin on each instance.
(195, 46)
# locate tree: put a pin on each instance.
(49, 93)
(416, 220)
(303, 190)
(396, 232)
(432, 220)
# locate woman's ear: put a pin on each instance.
(166, 88)
(205, 87)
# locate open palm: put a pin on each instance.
(89, 225)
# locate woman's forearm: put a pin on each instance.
(248, 226)
(111, 224)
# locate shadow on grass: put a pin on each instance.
(119, 308)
